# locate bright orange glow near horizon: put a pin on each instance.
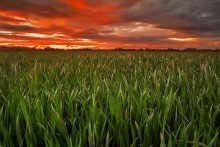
(110, 24)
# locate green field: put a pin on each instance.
(112, 99)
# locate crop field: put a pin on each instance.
(102, 99)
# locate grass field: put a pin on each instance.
(106, 99)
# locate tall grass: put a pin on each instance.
(109, 99)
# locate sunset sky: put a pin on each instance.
(110, 23)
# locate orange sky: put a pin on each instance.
(110, 24)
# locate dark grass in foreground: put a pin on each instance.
(109, 99)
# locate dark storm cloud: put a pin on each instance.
(124, 3)
(44, 8)
(10, 19)
(21, 28)
(96, 34)
(144, 39)
(90, 33)
(192, 16)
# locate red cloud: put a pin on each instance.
(107, 24)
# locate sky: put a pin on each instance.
(110, 24)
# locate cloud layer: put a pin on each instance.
(110, 24)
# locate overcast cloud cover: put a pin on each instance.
(110, 24)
